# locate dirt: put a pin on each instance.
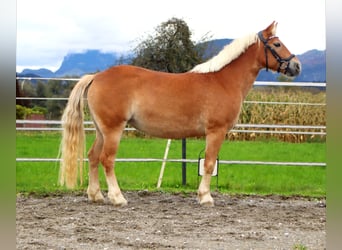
(156, 220)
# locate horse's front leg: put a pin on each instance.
(213, 144)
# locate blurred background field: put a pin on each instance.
(301, 113)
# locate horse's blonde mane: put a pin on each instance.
(226, 55)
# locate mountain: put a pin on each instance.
(90, 61)
(314, 66)
(37, 72)
(214, 46)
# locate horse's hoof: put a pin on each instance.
(207, 204)
(121, 204)
(118, 200)
(206, 200)
(98, 197)
(98, 200)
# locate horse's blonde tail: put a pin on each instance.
(73, 137)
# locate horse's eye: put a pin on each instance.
(276, 44)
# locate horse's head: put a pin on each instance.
(276, 56)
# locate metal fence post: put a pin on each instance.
(183, 162)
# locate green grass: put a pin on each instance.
(41, 177)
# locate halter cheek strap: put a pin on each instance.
(280, 60)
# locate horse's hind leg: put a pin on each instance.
(94, 192)
(107, 158)
(213, 144)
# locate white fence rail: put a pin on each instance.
(252, 102)
(256, 83)
(236, 129)
(273, 163)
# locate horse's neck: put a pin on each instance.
(243, 70)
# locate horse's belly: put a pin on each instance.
(165, 127)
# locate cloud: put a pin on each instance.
(48, 30)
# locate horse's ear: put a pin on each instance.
(271, 30)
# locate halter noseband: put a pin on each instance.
(275, 54)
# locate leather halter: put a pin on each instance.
(275, 54)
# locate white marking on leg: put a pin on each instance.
(204, 195)
(114, 192)
(94, 191)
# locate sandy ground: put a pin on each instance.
(156, 220)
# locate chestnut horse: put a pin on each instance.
(205, 101)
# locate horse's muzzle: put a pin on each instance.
(294, 68)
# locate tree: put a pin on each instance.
(55, 88)
(170, 49)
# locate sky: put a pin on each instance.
(47, 30)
